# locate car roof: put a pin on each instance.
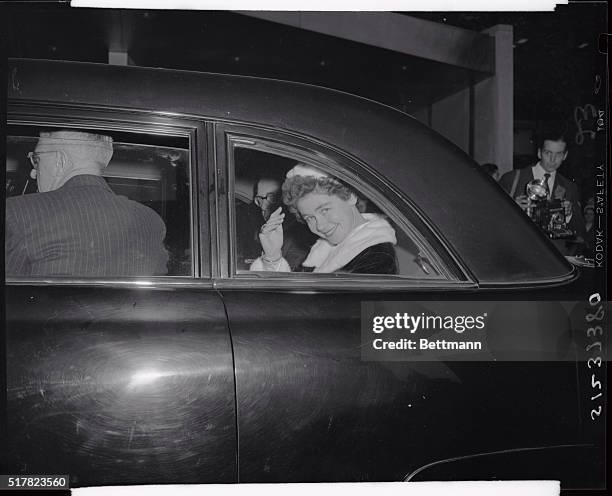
(482, 224)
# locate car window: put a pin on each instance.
(316, 239)
(142, 228)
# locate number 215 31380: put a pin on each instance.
(595, 335)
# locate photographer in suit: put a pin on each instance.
(552, 151)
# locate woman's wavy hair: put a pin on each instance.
(296, 187)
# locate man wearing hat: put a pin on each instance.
(75, 225)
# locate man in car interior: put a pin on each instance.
(249, 219)
(75, 225)
(552, 151)
(10, 180)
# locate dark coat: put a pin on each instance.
(376, 259)
(83, 229)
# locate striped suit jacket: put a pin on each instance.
(83, 229)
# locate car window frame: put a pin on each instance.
(347, 168)
(80, 116)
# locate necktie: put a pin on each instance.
(546, 177)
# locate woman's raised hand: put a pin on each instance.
(271, 235)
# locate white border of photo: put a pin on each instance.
(456, 488)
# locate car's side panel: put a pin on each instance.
(309, 409)
(120, 386)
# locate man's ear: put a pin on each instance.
(539, 154)
(352, 199)
(61, 164)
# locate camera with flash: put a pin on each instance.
(548, 214)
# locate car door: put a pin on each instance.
(310, 408)
(123, 380)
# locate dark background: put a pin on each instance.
(553, 70)
(556, 58)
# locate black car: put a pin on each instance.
(214, 373)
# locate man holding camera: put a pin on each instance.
(554, 189)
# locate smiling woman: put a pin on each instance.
(349, 240)
(293, 215)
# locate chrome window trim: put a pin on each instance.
(157, 282)
(374, 284)
(299, 284)
(342, 283)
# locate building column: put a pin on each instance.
(119, 58)
(493, 105)
(119, 36)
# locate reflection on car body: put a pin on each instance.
(214, 373)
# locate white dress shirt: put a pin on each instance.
(538, 173)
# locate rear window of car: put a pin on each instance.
(149, 170)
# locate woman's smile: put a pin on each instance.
(329, 216)
(329, 232)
